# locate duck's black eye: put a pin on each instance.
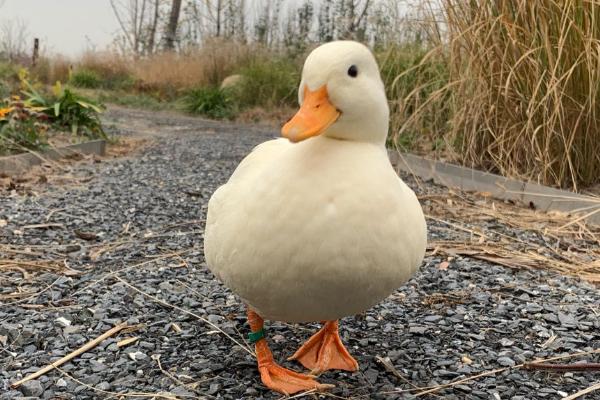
(353, 71)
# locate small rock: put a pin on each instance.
(466, 360)
(506, 362)
(32, 388)
(63, 321)
(432, 318)
(566, 319)
(215, 318)
(137, 356)
(214, 388)
(13, 394)
(463, 388)
(97, 366)
(419, 330)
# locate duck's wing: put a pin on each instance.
(226, 203)
(260, 157)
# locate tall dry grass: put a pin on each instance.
(523, 88)
(205, 66)
(108, 65)
(53, 69)
(166, 75)
(416, 86)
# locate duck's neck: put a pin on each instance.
(370, 128)
(377, 136)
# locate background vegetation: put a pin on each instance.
(507, 86)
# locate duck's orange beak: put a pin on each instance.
(315, 115)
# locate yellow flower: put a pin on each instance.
(4, 111)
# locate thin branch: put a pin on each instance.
(206, 321)
(582, 392)
(89, 345)
(121, 24)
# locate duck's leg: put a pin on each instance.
(324, 351)
(272, 375)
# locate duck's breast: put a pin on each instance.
(315, 231)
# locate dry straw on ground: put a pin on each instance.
(515, 237)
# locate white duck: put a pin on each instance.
(318, 226)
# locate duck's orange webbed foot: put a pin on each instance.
(285, 381)
(324, 351)
(274, 376)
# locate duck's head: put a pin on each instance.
(341, 96)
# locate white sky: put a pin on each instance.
(64, 26)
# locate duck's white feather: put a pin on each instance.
(314, 231)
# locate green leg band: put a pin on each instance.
(254, 337)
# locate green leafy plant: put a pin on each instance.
(211, 102)
(21, 126)
(68, 110)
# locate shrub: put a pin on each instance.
(85, 78)
(209, 101)
(268, 83)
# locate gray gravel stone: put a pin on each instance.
(32, 388)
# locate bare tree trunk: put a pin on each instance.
(172, 27)
(219, 18)
(139, 28)
(242, 11)
(152, 38)
(356, 21)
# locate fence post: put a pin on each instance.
(36, 51)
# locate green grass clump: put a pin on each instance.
(135, 100)
(91, 79)
(268, 84)
(85, 78)
(210, 102)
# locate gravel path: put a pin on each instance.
(143, 214)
